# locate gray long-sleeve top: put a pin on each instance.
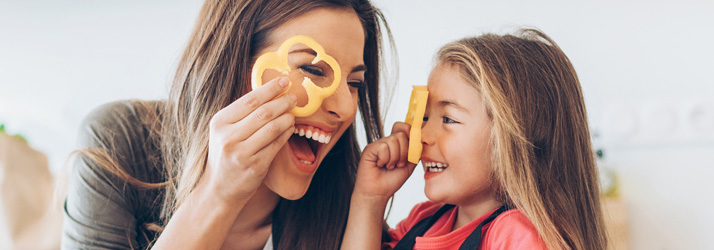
(102, 211)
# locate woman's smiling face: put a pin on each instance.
(341, 34)
(455, 136)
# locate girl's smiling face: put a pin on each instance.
(455, 135)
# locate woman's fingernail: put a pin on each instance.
(293, 97)
(283, 82)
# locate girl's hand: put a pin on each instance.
(384, 168)
(244, 138)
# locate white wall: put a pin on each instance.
(644, 67)
(60, 59)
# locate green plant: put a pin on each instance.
(18, 136)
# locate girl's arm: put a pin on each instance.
(382, 170)
(365, 223)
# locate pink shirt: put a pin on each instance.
(510, 230)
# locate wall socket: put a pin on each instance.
(659, 123)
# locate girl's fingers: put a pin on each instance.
(400, 130)
(246, 104)
(263, 115)
(382, 154)
(402, 127)
(393, 144)
(270, 132)
(403, 141)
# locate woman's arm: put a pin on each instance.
(244, 138)
(382, 170)
(97, 216)
(104, 211)
(202, 222)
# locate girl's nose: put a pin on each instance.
(340, 104)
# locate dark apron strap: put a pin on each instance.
(474, 238)
(472, 241)
(407, 242)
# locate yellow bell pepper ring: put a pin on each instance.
(278, 60)
(415, 118)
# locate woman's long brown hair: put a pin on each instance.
(542, 158)
(213, 71)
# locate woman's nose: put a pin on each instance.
(340, 104)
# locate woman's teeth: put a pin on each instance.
(313, 133)
(435, 166)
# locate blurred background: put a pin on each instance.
(644, 66)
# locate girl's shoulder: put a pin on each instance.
(419, 212)
(512, 230)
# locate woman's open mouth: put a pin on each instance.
(306, 143)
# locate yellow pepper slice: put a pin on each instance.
(278, 60)
(415, 118)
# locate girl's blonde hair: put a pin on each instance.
(542, 159)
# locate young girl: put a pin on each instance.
(220, 166)
(506, 156)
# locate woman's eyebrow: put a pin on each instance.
(304, 50)
(358, 68)
(310, 51)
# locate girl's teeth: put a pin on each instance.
(308, 134)
(435, 166)
(302, 132)
(322, 138)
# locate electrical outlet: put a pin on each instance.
(658, 123)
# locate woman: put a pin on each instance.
(218, 166)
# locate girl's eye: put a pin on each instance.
(356, 84)
(312, 70)
(448, 120)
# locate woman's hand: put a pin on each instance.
(384, 168)
(244, 138)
